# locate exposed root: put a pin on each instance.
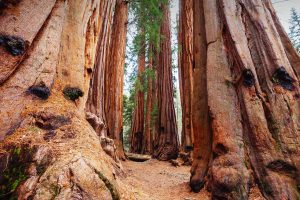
(49, 121)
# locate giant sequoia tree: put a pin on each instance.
(114, 76)
(185, 71)
(56, 60)
(137, 129)
(166, 140)
(153, 42)
(47, 60)
(246, 79)
(147, 144)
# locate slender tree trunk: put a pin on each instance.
(114, 77)
(186, 67)
(49, 149)
(137, 129)
(166, 143)
(147, 139)
(253, 100)
(179, 59)
(155, 114)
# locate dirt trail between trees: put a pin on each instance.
(156, 180)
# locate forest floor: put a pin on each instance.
(157, 180)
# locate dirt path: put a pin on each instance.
(156, 180)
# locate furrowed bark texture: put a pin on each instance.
(253, 100)
(137, 128)
(186, 67)
(166, 141)
(48, 149)
(202, 151)
(114, 77)
(148, 132)
(95, 101)
(9, 63)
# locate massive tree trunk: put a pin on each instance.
(114, 77)
(49, 150)
(185, 70)
(137, 128)
(253, 100)
(166, 141)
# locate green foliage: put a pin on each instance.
(55, 190)
(145, 20)
(295, 29)
(13, 175)
(154, 114)
(128, 108)
(139, 87)
(34, 129)
(148, 73)
(147, 17)
(110, 186)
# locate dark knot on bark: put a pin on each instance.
(14, 45)
(7, 3)
(248, 78)
(72, 93)
(282, 77)
(40, 90)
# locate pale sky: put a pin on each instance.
(283, 9)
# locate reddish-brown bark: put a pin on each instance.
(48, 149)
(148, 132)
(95, 101)
(252, 93)
(114, 76)
(185, 70)
(166, 141)
(200, 118)
(137, 128)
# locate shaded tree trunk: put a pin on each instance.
(95, 101)
(137, 128)
(148, 132)
(185, 70)
(179, 59)
(253, 101)
(200, 115)
(49, 150)
(114, 77)
(166, 141)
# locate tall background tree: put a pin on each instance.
(166, 140)
(294, 33)
(147, 16)
(114, 76)
(137, 129)
(186, 71)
